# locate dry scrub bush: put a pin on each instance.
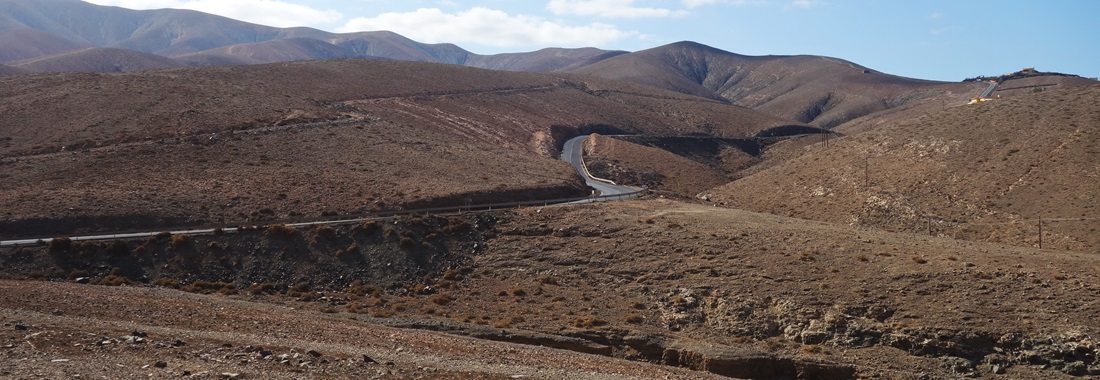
(112, 280)
(634, 319)
(323, 232)
(59, 244)
(547, 279)
(358, 288)
(165, 282)
(281, 231)
(589, 322)
(919, 260)
(368, 226)
(264, 288)
(180, 241)
(118, 248)
(508, 322)
(207, 287)
(442, 299)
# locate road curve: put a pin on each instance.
(573, 153)
(989, 90)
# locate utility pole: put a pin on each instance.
(1040, 232)
(866, 171)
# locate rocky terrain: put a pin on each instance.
(986, 172)
(719, 291)
(804, 217)
(221, 145)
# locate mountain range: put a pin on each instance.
(72, 35)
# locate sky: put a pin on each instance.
(929, 39)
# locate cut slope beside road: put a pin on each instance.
(573, 153)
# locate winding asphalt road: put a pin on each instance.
(989, 90)
(573, 153)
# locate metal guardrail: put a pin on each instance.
(347, 219)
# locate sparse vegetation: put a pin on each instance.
(180, 241)
(281, 231)
(589, 322)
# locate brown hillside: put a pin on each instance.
(8, 70)
(291, 49)
(101, 60)
(676, 166)
(1040, 83)
(26, 43)
(634, 164)
(247, 143)
(723, 291)
(822, 91)
(985, 172)
(123, 332)
(541, 61)
(35, 28)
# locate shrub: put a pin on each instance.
(264, 288)
(207, 287)
(634, 318)
(324, 231)
(518, 292)
(358, 288)
(507, 322)
(456, 225)
(452, 275)
(180, 241)
(814, 349)
(112, 280)
(281, 231)
(919, 260)
(407, 243)
(442, 299)
(368, 226)
(118, 248)
(165, 282)
(60, 244)
(589, 322)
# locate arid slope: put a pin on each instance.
(292, 140)
(987, 171)
(822, 91)
(724, 291)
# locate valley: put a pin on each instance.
(796, 216)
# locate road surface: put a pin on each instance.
(573, 153)
(989, 90)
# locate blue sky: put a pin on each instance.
(941, 40)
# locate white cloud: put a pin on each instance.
(804, 4)
(698, 3)
(264, 12)
(486, 27)
(935, 15)
(608, 9)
